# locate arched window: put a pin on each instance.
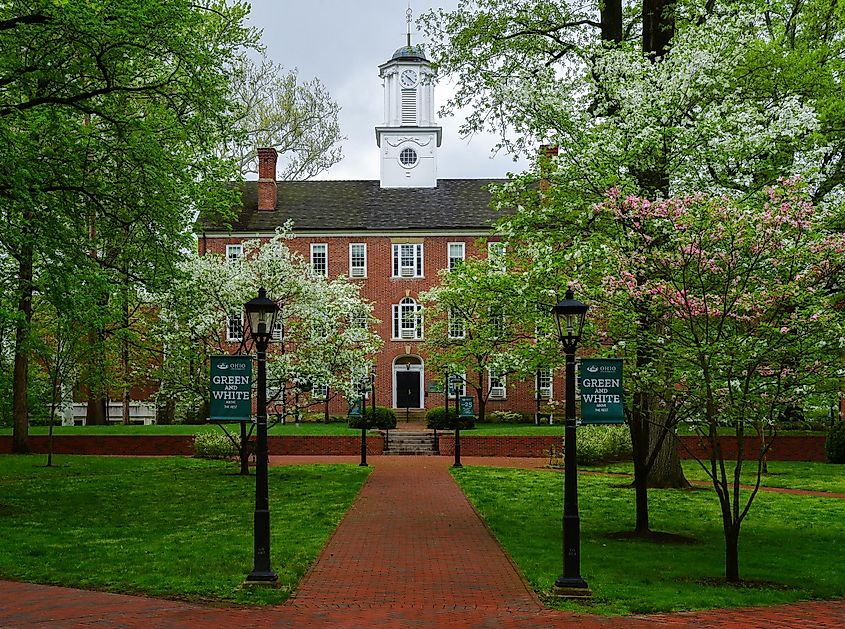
(407, 319)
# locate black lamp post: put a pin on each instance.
(362, 389)
(569, 316)
(261, 315)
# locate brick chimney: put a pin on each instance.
(267, 179)
(547, 153)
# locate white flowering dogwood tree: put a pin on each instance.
(481, 321)
(323, 335)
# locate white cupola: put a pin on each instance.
(408, 139)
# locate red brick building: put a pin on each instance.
(393, 235)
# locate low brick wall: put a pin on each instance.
(808, 448)
(784, 448)
(536, 446)
(128, 445)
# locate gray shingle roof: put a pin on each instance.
(364, 205)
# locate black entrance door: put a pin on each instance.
(407, 389)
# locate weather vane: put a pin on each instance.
(409, 14)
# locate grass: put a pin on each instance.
(785, 474)
(787, 546)
(168, 527)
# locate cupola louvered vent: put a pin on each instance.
(409, 107)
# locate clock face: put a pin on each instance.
(408, 78)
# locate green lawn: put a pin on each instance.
(170, 527)
(788, 547)
(786, 474)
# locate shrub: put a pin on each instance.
(436, 418)
(384, 419)
(601, 444)
(508, 417)
(834, 445)
(216, 445)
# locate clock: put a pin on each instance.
(408, 78)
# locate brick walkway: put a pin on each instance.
(411, 552)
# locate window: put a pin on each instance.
(357, 259)
(497, 322)
(408, 260)
(234, 326)
(457, 384)
(544, 382)
(359, 319)
(498, 383)
(320, 391)
(496, 255)
(408, 157)
(407, 319)
(278, 333)
(457, 253)
(457, 325)
(234, 252)
(320, 259)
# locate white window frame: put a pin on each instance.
(315, 249)
(234, 252)
(320, 391)
(544, 373)
(407, 326)
(357, 271)
(452, 322)
(462, 389)
(452, 261)
(500, 390)
(231, 317)
(496, 251)
(497, 322)
(413, 270)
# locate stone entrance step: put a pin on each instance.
(412, 443)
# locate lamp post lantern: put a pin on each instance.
(261, 315)
(569, 316)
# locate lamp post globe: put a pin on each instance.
(261, 314)
(569, 316)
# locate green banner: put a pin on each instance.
(601, 391)
(231, 388)
(466, 406)
(355, 409)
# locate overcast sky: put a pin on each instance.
(342, 42)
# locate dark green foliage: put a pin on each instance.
(384, 419)
(436, 418)
(834, 445)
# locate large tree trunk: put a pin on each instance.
(658, 26)
(611, 21)
(20, 377)
(666, 473)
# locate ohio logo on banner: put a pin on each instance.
(601, 391)
(231, 388)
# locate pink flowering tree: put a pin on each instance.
(739, 300)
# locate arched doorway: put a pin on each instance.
(408, 382)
